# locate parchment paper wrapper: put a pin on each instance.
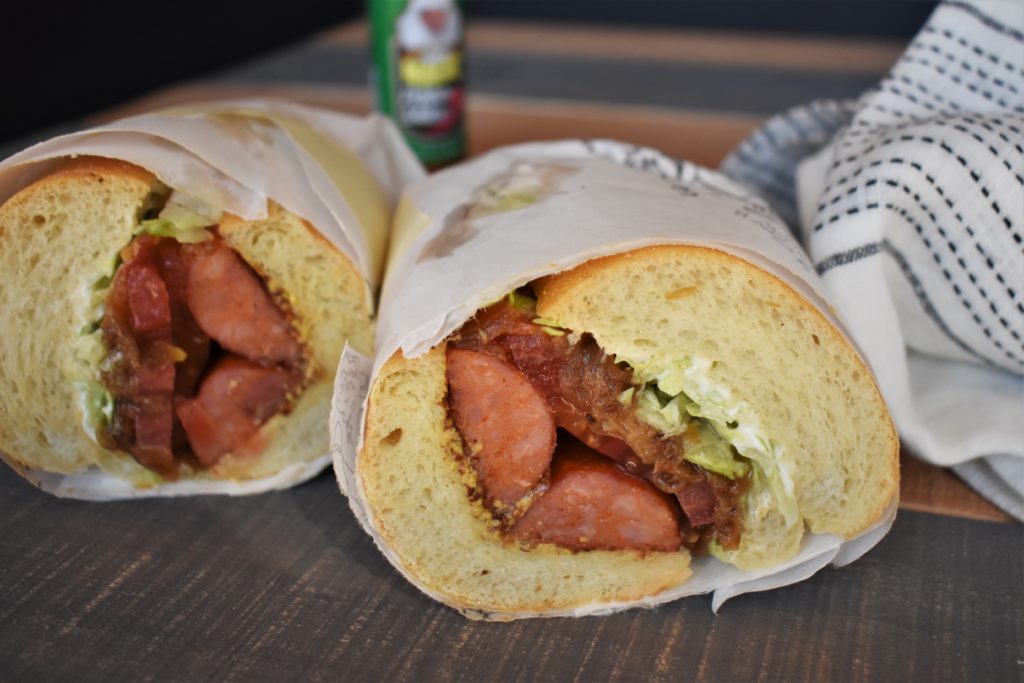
(341, 173)
(591, 199)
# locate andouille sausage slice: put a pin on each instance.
(235, 398)
(505, 422)
(592, 504)
(231, 305)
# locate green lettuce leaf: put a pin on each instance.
(733, 421)
(161, 227)
(183, 218)
(97, 404)
(703, 446)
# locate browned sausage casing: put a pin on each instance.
(505, 422)
(592, 504)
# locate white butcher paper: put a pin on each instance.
(595, 198)
(341, 173)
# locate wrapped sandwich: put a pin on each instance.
(178, 290)
(599, 386)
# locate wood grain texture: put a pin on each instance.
(286, 586)
(873, 56)
(935, 489)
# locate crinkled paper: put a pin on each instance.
(341, 173)
(467, 236)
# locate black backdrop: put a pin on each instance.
(63, 59)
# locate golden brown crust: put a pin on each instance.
(101, 167)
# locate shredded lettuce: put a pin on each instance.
(89, 348)
(521, 302)
(97, 404)
(759, 500)
(549, 326)
(731, 421)
(527, 304)
(761, 451)
(704, 447)
(702, 444)
(183, 218)
(657, 410)
(160, 227)
(188, 212)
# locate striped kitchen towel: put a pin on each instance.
(910, 202)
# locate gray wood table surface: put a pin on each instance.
(286, 586)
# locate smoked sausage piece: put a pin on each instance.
(231, 305)
(505, 423)
(235, 398)
(592, 504)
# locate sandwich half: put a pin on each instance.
(575, 444)
(151, 339)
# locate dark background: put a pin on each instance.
(63, 59)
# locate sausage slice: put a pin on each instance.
(231, 305)
(592, 504)
(505, 422)
(234, 400)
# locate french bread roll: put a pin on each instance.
(803, 386)
(779, 382)
(60, 238)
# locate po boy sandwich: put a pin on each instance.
(678, 414)
(159, 343)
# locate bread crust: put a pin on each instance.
(60, 234)
(441, 540)
(562, 292)
(410, 474)
(101, 167)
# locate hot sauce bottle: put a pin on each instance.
(418, 74)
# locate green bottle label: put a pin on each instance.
(418, 74)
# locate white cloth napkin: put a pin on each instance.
(910, 202)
